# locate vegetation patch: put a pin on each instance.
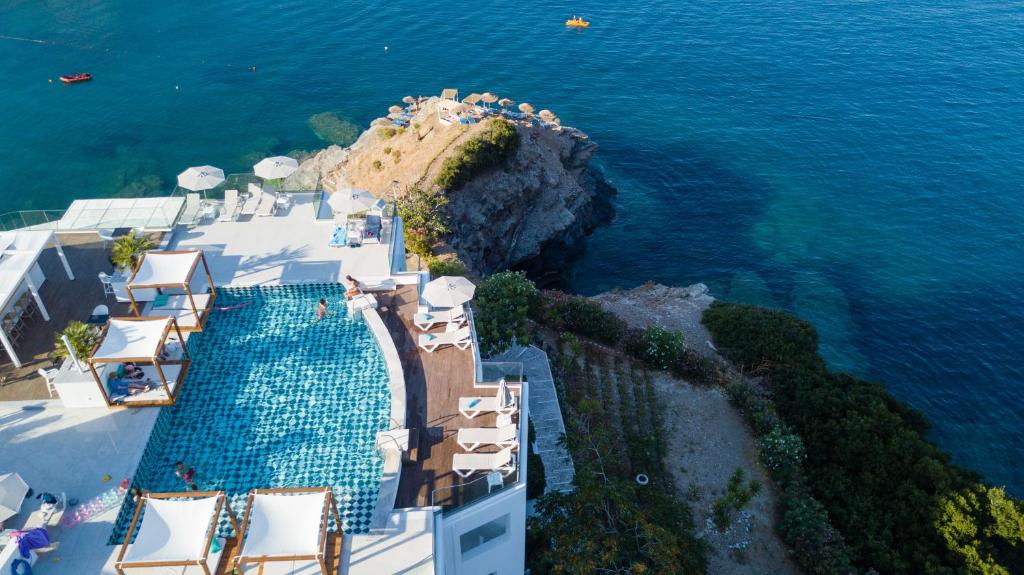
(867, 466)
(737, 495)
(502, 303)
(425, 219)
(491, 148)
(610, 523)
(446, 266)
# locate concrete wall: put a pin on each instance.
(487, 537)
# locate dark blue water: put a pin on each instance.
(860, 163)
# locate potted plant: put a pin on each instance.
(128, 249)
(82, 337)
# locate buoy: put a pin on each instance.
(385, 48)
(50, 80)
(106, 478)
(177, 87)
(642, 479)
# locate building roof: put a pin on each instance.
(19, 251)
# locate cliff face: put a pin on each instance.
(675, 308)
(532, 213)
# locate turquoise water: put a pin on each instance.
(274, 399)
(859, 163)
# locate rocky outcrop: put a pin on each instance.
(532, 213)
(676, 308)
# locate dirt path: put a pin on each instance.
(707, 442)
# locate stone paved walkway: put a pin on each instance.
(545, 415)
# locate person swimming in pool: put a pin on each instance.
(321, 310)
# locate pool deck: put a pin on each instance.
(434, 382)
(288, 248)
(70, 451)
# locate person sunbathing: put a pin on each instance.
(130, 387)
(132, 371)
(352, 287)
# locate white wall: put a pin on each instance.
(505, 554)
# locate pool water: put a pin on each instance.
(276, 399)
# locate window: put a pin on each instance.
(478, 536)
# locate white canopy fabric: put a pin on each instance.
(276, 167)
(351, 200)
(200, 178)
(20, 251)
(163, 268)
(12, 493)
(173, 530)
(449, 291)
(284, 524)
(130, 339)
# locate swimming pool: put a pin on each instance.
(276, 399)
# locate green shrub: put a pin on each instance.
(127, 250)
(804, 527)
(579, 315)
(782, 453)
(378, 165)
(387, 150)
(503, 301)
(424, 218)
(446, 267)
(657, 347)
(388, 132)
(736, 496)
(82, 336)
(757, 409)
(751, 336)
(491, 148)
(897, 498)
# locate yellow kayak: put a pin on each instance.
(575, 22)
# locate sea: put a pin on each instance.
(857, 162)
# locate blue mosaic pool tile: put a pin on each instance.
(276, 399)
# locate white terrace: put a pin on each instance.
(287, 248)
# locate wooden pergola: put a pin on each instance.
(177, 530)
(165, 278)
(141, 341)
(288, 524)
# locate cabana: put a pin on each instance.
(165, 279)
(473, 99)
(450, 94)
(155, 345)
(286, 526)
(177, 534)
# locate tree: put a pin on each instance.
(128, 249)
(82, 337)
(503, 301)
(425, 219)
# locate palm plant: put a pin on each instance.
(128, 249)
(82, 337)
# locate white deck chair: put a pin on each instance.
(425, 321)
(230, 206)
(193, 207)
(250, 205)
(469, 438)
(460, 338)
(268, 203)
(503, 402)
(465, 464)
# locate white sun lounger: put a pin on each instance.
(425, 321)
(459, 338)
(268, 203)
(470, 438)
(503, 402)
(193, 207)
(230, 206)
(250, 205)
(465, 464)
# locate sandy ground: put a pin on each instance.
(708, 440)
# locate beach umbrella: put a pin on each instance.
(506, 102)
(449, 291)
(351, 200)
(546, 115)
(396, 109)
(409, 100)
(276, 167)
(526, 108)
(489, 98)
(13, 490)
(200, 178)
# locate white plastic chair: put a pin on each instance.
(108, 286)
(49, 375)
